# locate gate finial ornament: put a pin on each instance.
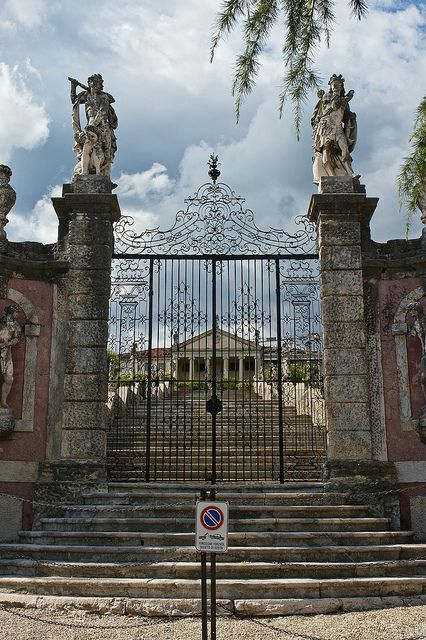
(214, 172)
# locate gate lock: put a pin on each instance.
(214, 405)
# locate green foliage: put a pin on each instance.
(228, 383)
(305, 25)
(412, 177)
(297, 372)
(198, 385)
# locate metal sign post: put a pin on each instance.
(211, 527)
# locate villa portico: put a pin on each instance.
(238, 359)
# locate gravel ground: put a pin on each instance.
(387, 624)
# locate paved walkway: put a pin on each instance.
(407, 623)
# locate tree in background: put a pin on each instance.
(306, 24)
(412, 179)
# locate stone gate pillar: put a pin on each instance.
(86, 212)
(341, 211)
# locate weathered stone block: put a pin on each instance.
(338, 232)
(350, 335)
(86, 387)
(91, 184)
(348, 415)
(350, 388)
(89, 229)
(418, 517)
(83, 445)
(340, 257)
(341, 283)
(336, 184)
(96, 282)
(86, 360)
(342, 309)
(349, 445)
(90, 257)
(344, 362)
(84, 306)
(85, 415)
(88, 333)
(11, 518)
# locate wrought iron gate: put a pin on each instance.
(215, 348)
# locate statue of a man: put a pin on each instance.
(334, 132)
(95, 144)
(10, 334)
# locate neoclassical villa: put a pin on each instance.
(237, 358)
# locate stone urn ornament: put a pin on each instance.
(7, 199)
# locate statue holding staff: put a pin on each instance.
(334, 132)
(95, 144)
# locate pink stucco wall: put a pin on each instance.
(29, 446)
(402, 445)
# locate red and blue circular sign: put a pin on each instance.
(212, 518)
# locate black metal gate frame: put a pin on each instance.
(219, 208)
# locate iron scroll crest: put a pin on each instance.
(214, 222)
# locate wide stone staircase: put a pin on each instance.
(247, 441)
(292, 549)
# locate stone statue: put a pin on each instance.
(418, 328)
(10, 334)
(95, 144)
(334, 132)
(7, 198)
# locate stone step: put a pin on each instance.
(191, 570)
(237, 511)
(232, 589)
(281, 498)
(277, 554)
(162, 524)
(167, 475)
(244, 539)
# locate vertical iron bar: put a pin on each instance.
(204, 609)
(149, 382)
(280, 373)
(213, 584)
(214, 372)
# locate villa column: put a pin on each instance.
(226, 367)
(241, 369)
(191, 368)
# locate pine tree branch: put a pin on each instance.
(227, 19)
(359, 8)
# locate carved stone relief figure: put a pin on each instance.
(418, 329)
(10, 334)
(95, 144)
(334, 132)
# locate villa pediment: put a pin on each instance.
(225, 343)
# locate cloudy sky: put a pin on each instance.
(175, 108)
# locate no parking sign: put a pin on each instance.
(211, 526)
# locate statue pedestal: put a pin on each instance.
(7, 422)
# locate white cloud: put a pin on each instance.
(140, 185)
(28, 13)
(23, 123)
(42, 223)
